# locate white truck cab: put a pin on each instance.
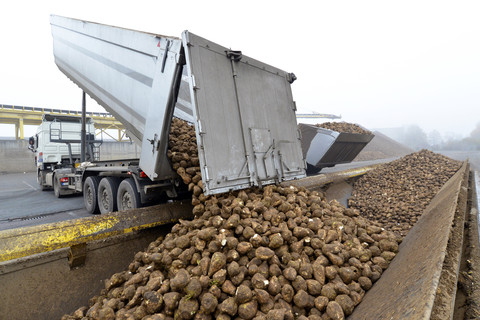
(57, 145)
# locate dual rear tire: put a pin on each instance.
(109, 194)
(128, 196)
(90, 194)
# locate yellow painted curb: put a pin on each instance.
(22, 242)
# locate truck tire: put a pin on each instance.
(107, 194)
(127, 195)
(56, 187)
(90, 191)
(40, 181)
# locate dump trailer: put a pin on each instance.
(242, 110)
(326, 148)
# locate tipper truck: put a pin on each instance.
(242, 110)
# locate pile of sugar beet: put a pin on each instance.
(273, 253)
(395, 194)
(343, 127)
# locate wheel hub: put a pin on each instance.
(89, 196)
(105, 199)
(127, 201)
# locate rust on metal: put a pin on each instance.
(77, 255)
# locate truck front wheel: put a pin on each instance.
(56, 187)
(90, 191)
(40, 179)
(127, 195)
(107, 194)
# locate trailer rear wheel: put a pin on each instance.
(107, 194)
(90, 191)
(127, 196)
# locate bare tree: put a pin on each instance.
(414, 137)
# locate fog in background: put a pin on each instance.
(416, 138)
(381, 64)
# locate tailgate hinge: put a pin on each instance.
(235, 55)
(291, 77)
(77, 255)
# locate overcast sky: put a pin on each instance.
(377, 63)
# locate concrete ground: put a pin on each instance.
(22, 203)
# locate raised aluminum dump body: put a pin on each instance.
(326, 148)
(243, 109)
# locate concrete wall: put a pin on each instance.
(15, 156)
(119, 150)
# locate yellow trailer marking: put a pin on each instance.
(22, 242)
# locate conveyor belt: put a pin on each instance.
(408, 289)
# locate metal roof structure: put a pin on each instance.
(22, 115)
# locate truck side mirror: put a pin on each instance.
(31, 144)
